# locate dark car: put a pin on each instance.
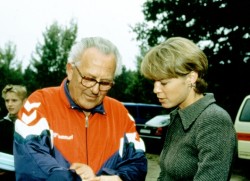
(151, 123)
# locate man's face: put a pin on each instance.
(96, 66)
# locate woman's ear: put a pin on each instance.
(193, 76)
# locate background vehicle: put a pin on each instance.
(242, 127)
(152, 131)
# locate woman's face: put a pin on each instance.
(173, 92)
(13, 103)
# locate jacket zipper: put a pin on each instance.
(86, 121)
(86, 126)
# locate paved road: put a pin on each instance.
(154, 169)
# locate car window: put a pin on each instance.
(147, 112)
(144, 112)
(245, 114)
(132, 110)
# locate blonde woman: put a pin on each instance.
(201, 140)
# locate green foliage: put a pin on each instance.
(121, 89)
(10, 70)
(7, 57)
(47, 66)
(30, 78)
(51, 55)
(223, 24)
(130, 86)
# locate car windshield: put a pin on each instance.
(150, 112)
(144, 112)
(245, 114)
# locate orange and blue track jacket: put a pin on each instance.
(52, 132)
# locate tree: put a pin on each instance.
(222, 24)
(10, 70)
(131, 86)
(51, 55)
(121, 89)
(7, 57)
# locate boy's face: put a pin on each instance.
(13, 103)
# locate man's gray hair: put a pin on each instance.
(101, 44)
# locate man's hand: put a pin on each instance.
(106, 178)
(83, 170)
(87, 174)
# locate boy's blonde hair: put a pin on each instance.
(20, 90)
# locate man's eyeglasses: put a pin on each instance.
(90, 82)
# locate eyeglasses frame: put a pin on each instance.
(110, 84)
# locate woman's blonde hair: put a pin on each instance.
(176, 57)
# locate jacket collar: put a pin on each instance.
(192, 112)
(9, 118)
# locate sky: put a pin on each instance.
(23, 22)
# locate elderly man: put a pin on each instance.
(75, 131)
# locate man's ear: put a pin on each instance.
(69, 71)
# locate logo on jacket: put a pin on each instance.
(63, 137)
